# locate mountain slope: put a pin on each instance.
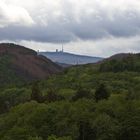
(70, 59)
(121, 62)
(18, 64)
(118, 74)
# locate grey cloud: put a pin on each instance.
(40, 34)
(67, 29)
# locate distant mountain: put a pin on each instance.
(69, 58)
(18, 64)
(64, 65)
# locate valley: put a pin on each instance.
(99, 100)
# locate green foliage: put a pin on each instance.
(34, 138)
(130, 63)
(67, 93)
(52, 96)
(106, 128)
(17, 133)
(101, 93)
(12, 97)
(8, 77)
(111, 119)
(36, 93)
(82, 93)
(65, 106)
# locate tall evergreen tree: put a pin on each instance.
(101, 93)
(36, 93)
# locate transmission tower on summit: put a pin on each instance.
(62, 48)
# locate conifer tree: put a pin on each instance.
(36, 93)
(101, 93)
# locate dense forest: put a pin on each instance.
(88, 102)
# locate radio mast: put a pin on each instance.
(62, 48)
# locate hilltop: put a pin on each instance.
(121, 62)
(18, 64)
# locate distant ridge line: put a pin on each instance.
(70, 58)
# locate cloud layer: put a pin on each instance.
(69, 21)
(11, 15)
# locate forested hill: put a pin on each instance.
(121, 62)
(18, 64)
(84, 102)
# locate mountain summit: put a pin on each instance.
(69, 58)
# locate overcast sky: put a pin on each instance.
(91, 27)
